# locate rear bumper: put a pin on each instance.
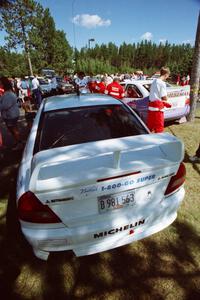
(90, 239)
(176, 113)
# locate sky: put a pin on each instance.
(128, 21)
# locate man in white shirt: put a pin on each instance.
(108, 79)
(157, 102)
(35, 83)
(54, 83)
(81, 83)
(36, 91)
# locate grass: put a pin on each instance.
(164, 266)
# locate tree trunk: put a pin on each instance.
(26, 47)
(29, 62)
(195, 75)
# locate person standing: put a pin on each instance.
(178, 78)
(195, 158)
(15, 86)
(157, 102)
(36, 91)
(101, 86)
(92, 84)
(114, 89)
(81, 83)
(187, 80)
(108, 79)
(10, 111)
(54, 85)
(183, 81)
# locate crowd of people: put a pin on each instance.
(10, 112)
(28, 90)
(11, 90)
(184, 80)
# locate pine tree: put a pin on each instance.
(18, 20)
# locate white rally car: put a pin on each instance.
(137, 96)
(93, 178)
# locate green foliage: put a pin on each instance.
(12, 64)
(18, 21)
(127, 58)
(32, 28)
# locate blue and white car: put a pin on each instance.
(137, 96)
(93, 178)
(45, 87)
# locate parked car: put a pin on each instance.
(45, 87)
(65, 87)
(137, 92)
(93, 178)
(48, 72)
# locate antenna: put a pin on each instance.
(74, 34)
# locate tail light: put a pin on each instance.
(177, 180)
(187, 101)
(30, 209)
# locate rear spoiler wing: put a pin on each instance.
(156, 146)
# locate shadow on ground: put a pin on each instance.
(161, 271)
(153, 268)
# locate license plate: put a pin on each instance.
(116, 201)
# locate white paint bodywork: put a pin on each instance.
(71, 179)
(177, 95)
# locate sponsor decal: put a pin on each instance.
(165, 176)
(127, 183)
(177, 94)
(58, 200)
(119, 229)
(89, 189)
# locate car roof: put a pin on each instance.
(72, 100)
(137, 82)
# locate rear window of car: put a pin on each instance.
(43, 81)
(86, 124)
(132, 91)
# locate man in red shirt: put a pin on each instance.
(114, 89)
(101, 86)
(92, 85)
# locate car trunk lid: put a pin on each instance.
(76, 180)
(178, 97)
